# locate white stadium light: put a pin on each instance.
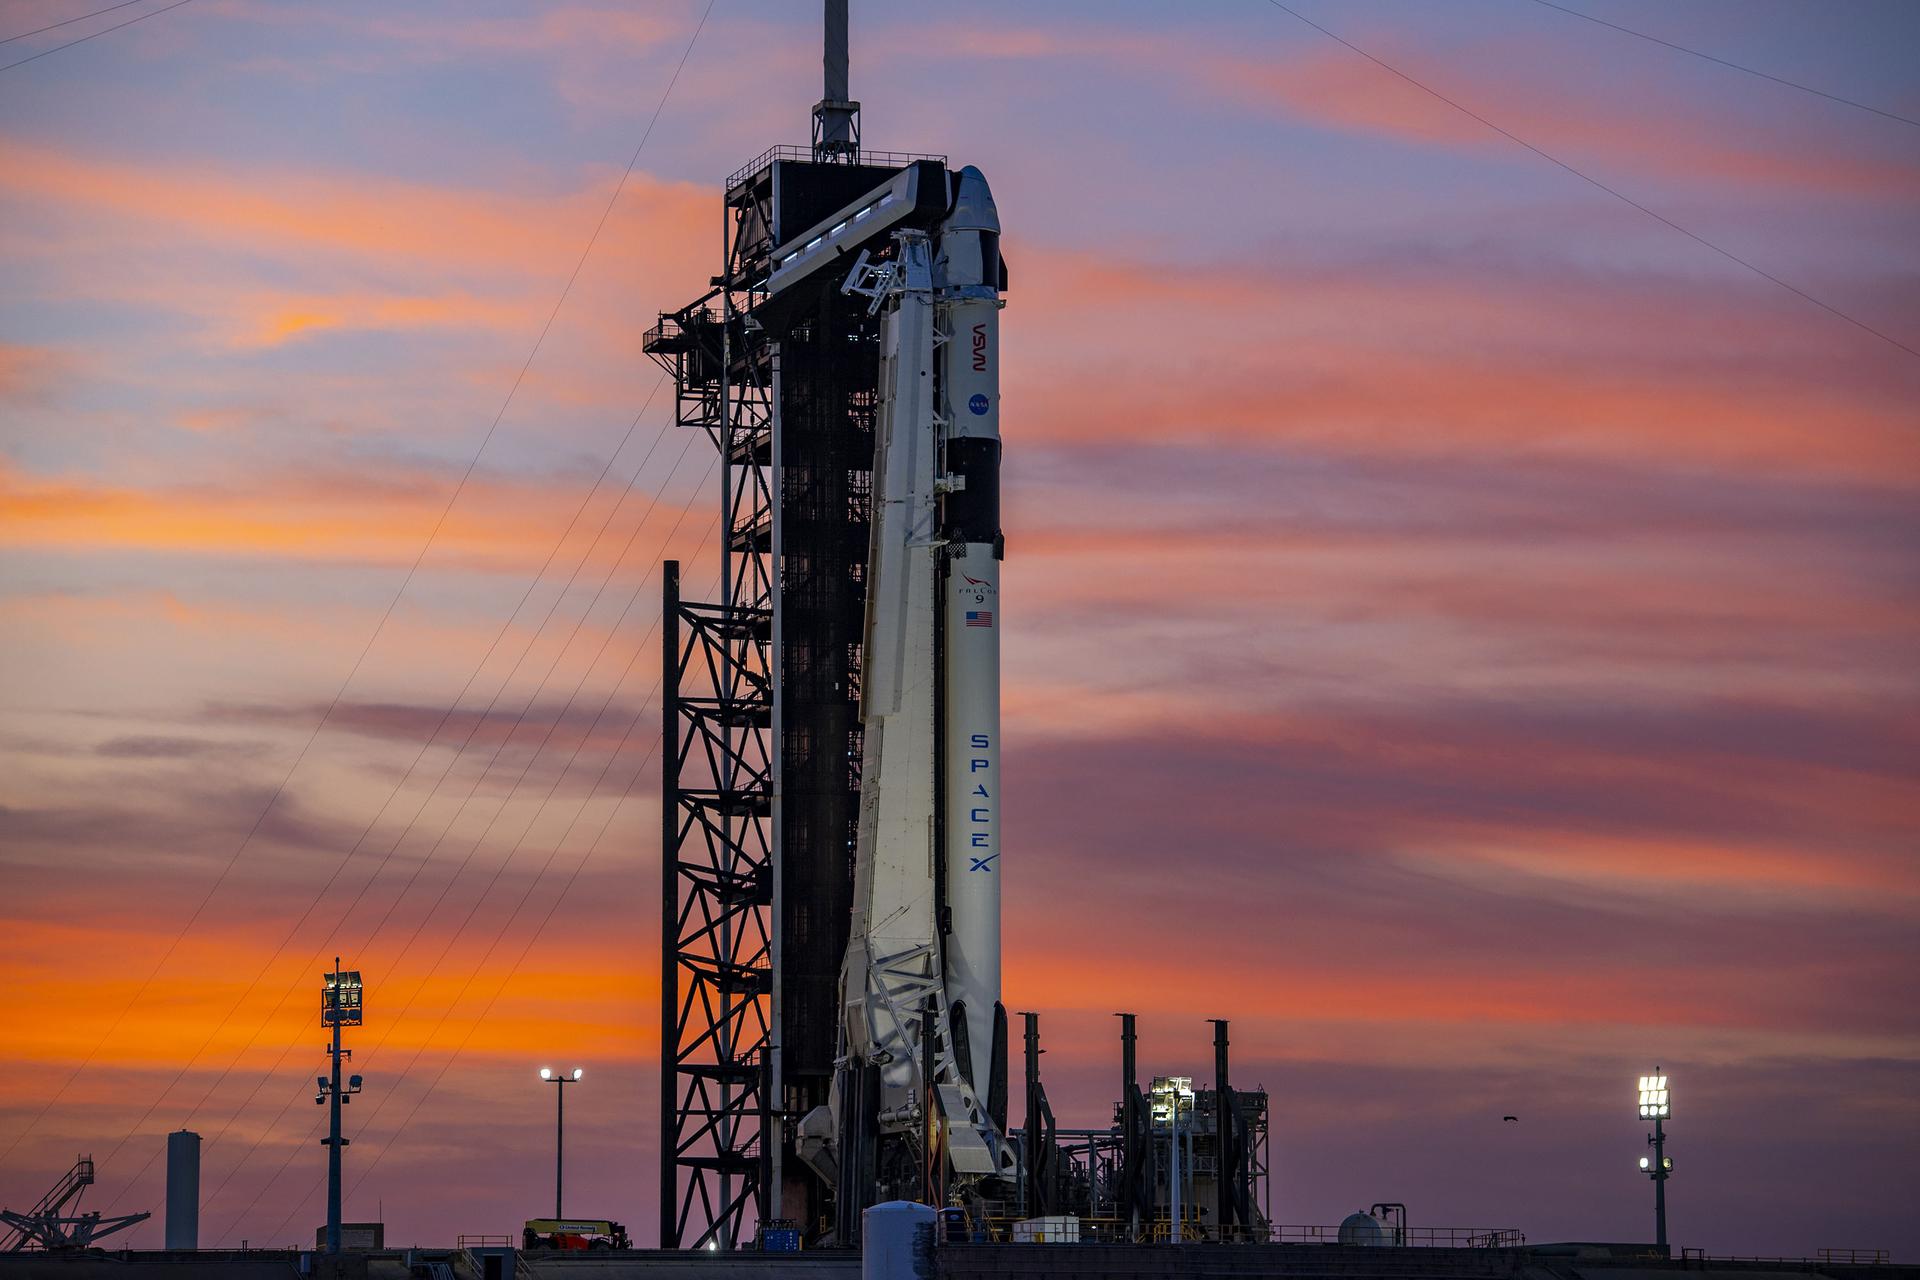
(576, 1073)
(1656, 1104)
(546, 1073)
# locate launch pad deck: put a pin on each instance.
(965, 1262)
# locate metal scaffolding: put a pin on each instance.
(761, 697)
(49, 1225)
(717, 1060)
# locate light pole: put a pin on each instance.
(340, 1006)
(1655, 1105)
(559, 1127)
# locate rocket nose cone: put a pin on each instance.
(973, 204)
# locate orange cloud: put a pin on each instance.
(566, 993)
(223, 419)
(1425, 360)
(278, 319)
(376, 219)
(309, 514)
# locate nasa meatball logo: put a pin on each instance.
(978, 403)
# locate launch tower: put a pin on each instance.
(830, 796)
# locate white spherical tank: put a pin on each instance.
(896, 1241)
(1365, 1230)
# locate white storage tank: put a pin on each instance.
(896, 1241)
(1367, 1231)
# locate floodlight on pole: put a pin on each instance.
(1656, 1104)
(559, 1127)
(341, 996)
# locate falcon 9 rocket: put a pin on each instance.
(923, 1030)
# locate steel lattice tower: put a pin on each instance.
(717, 795)
(762, 736)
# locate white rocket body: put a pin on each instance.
(967, 278)
(921, 985)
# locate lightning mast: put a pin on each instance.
(836, 118)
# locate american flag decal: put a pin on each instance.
(979, 617)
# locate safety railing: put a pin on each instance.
(671, 333)
(1411, 1237)
(1693, 1256)
(882, 159)
(482, 1242)
(1107, 1230)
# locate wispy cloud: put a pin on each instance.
(335, 513)
(1440, 358)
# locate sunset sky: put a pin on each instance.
(1459, 626)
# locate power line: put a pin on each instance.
(94, 35)
(420, 925)
(480, 720)
(52, 26)
(394, 899)
(512, 969)
(277, 792)
(640, 649)
(533, 699)
(552, 907)
(320, 894)
(394, 1023)
(1752, 71)
(390, 1091)
(566, 291)
(446, 829)
(513, 793)
(1510, 136)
